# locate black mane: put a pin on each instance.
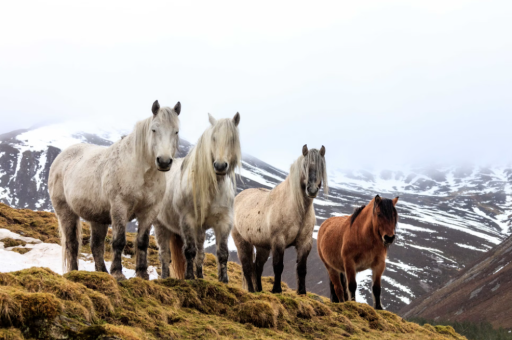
(356, 213)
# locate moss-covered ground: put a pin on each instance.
(37, 303)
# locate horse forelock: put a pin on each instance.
(301, 168)
(388, 210)
(199, 163)
(142, 129)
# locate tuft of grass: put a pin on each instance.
(10, 242)
(21, 250)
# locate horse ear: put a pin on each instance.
(305, 150)
(211, 119)
(322, 151)
(236, 119)
(395, 200)
(177, 108)
(155, 108)
(378, 199)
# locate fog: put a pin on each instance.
(380, 84)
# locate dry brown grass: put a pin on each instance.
(38, 303)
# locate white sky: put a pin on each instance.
(379, 83)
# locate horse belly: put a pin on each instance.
(257, 234)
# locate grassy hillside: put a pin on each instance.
(38, 303)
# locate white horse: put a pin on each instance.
(199, 196)
(273, 220)
(114, 185)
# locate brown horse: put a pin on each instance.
(351, 244)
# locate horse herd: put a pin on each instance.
(139, 177)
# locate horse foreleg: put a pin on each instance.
(337, 291)
(377, 272)
(98, 234)
(302, 259)
(119, 221)
(200, 253)
(277, 262)
(164, 252)
(259, 263)
(222, 257)
(190, 247)
(141, 256)
(350, 275)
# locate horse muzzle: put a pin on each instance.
(388, 239)
(311, 193)
(221, 168)
(163, 164)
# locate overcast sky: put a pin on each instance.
(379, 83)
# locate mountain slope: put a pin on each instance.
(449, 216)
(483, 291)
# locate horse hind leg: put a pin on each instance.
(164, 252)
(190, 247)
(71, 236)
(245, 255)
(98, 234)
(222, 256)
(337, 291)
(343, 280)
(259, 263)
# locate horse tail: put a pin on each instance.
(178, 260)
(70, 239)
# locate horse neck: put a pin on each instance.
(365, 225)
(297, 203)
(130, 143)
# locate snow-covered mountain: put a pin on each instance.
(448, 215)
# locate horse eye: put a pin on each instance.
(153, 130)
(177, 132)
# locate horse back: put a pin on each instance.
(331, 237)
(75, 181)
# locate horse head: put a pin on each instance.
(163, 137)
(314, 171)
(224, 144)
(385, 218)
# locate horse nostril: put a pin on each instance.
(220, 166)
(158, 159)
(389, 239)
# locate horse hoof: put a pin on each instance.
(119, 276)
(143, 275)
(302, 292)
(277, 290)
(224, 280)
(189, 277)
